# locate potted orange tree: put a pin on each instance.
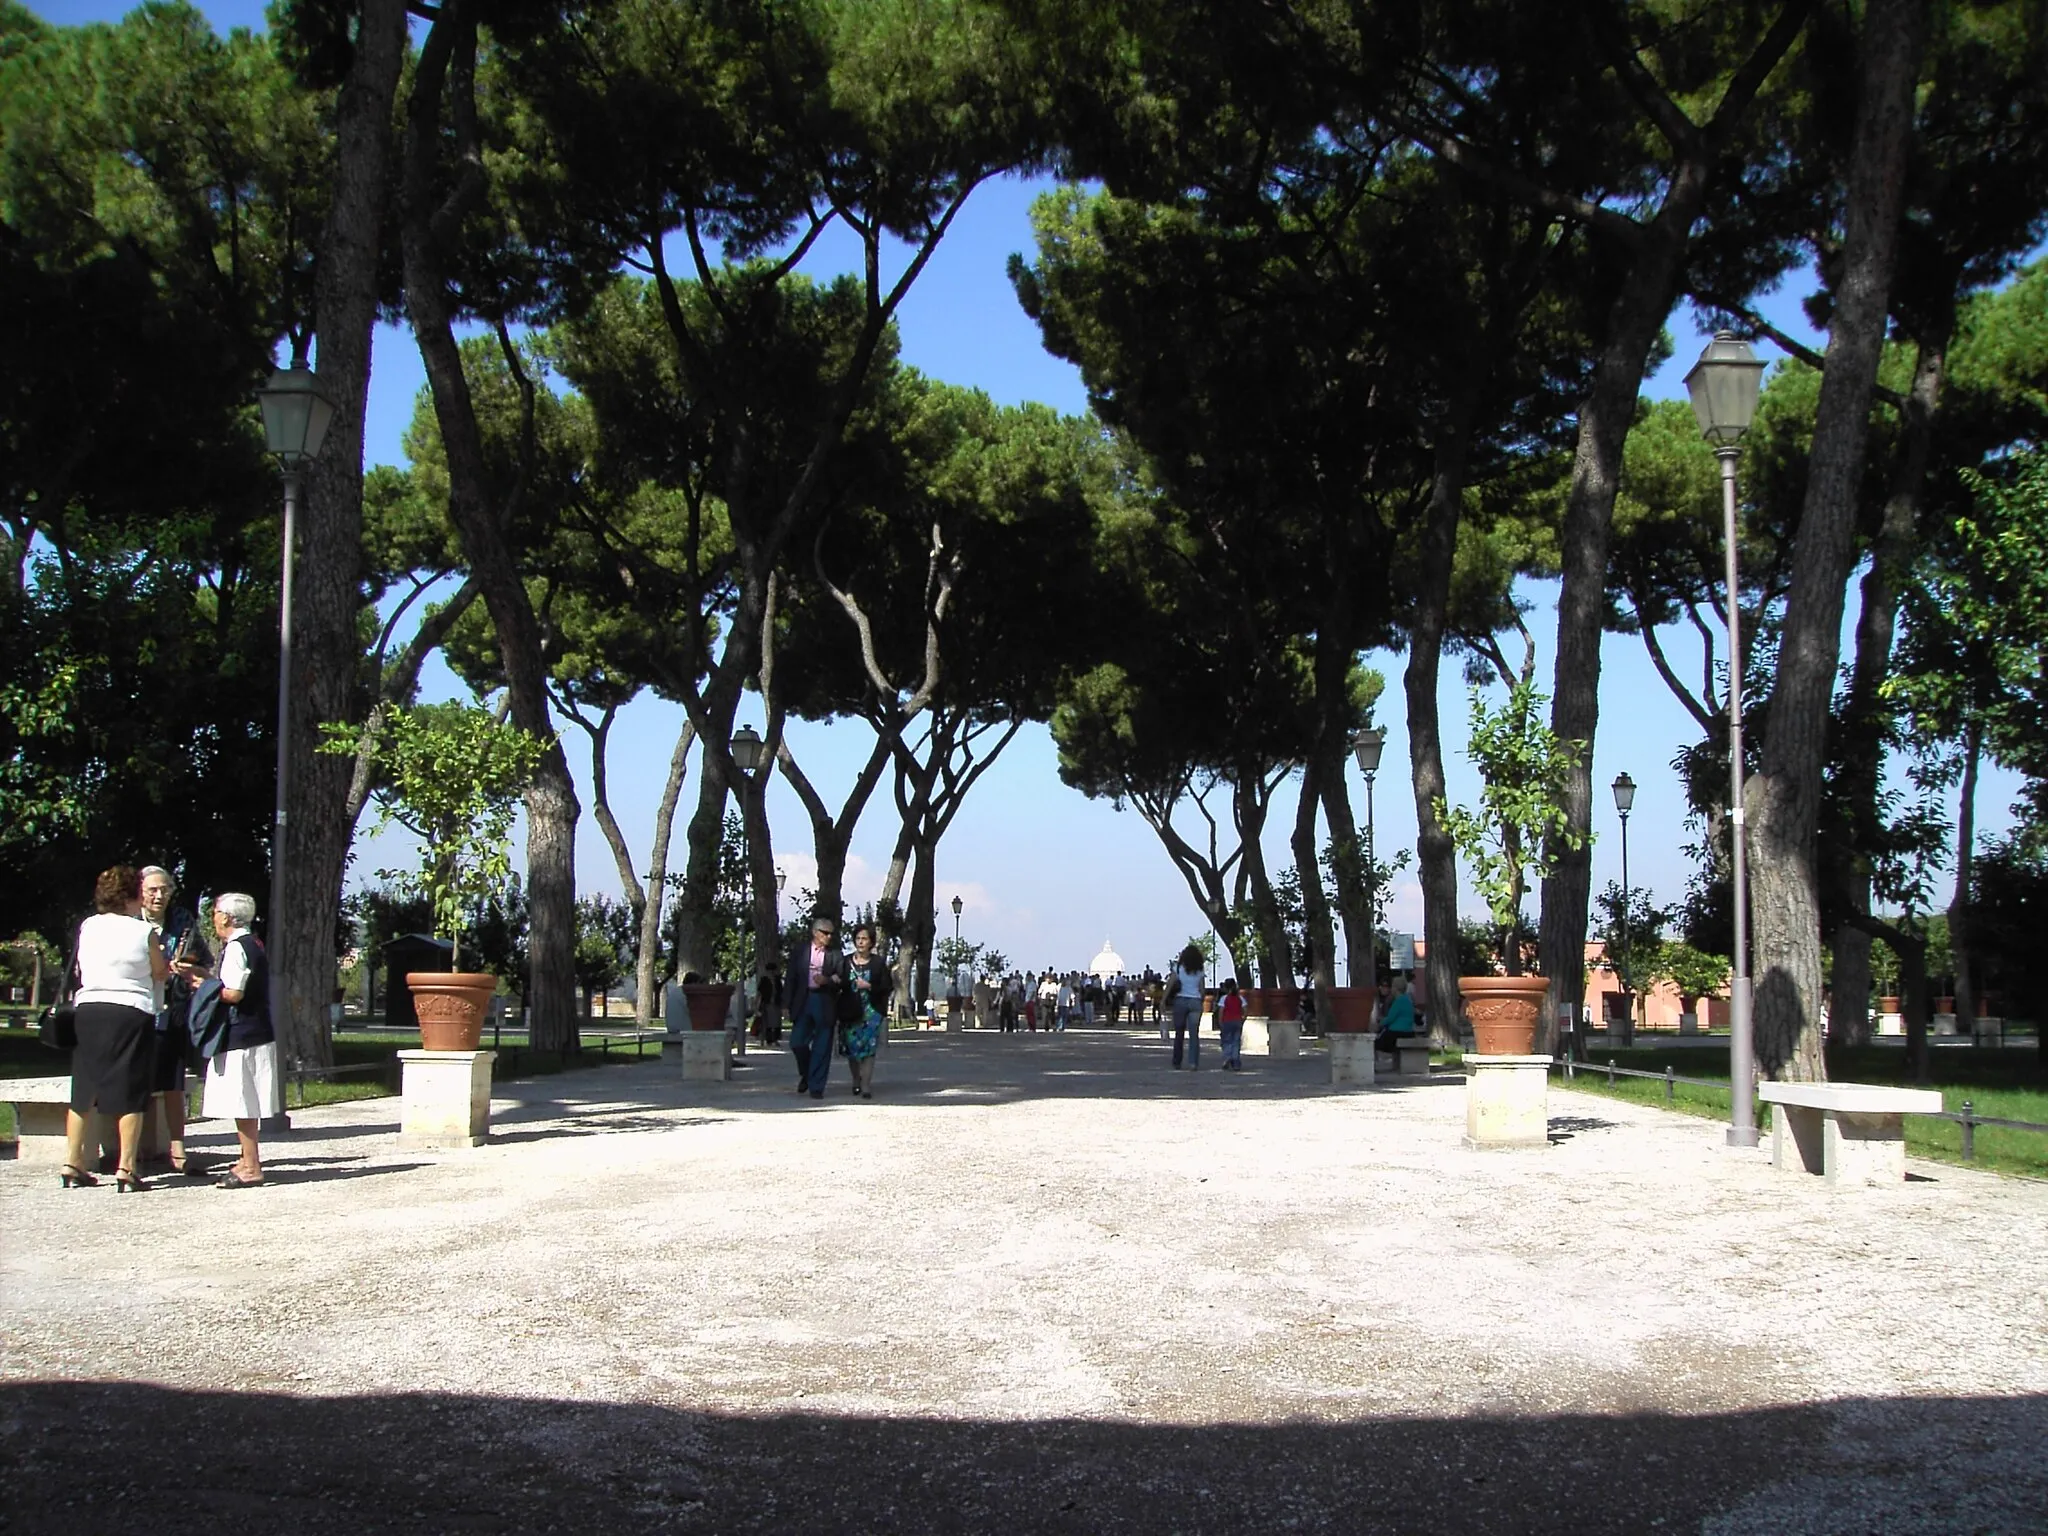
(451, 774)
(1517, 832)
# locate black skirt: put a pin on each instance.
(167, 1071)
(110, 1069)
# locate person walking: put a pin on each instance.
(241, 1080)
(1230, 1025)
(816, 975)
(120, 968)
(872, 982)
(186, 955)
(1185, 990)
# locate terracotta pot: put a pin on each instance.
(1888, 1005)
(709, 1002)
(1350, 1010)
(1944, 1005)
(452, 1007)
(1283, 1003)
(1504, 1011)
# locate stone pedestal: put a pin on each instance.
(446, 1099)
(1258, 1040)
(1688, 1023)
(1891, 1024)
(1507, 1101)
(1351, 1061)
(1944, 1023)
(1283, 1038)
(703, 1053)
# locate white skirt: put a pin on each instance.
(242, 1085)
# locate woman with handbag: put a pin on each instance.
(120, 972)
(869, 974)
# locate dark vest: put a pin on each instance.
(249, 1020)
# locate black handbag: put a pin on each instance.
(57, 1027)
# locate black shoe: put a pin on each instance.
(817, 1093)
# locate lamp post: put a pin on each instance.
(1724, 385)
(749, 752)
(957, 905)
(296, 414)
(1624, 802)
(1366, 746)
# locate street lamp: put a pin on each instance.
(749, 752)
(957, 905)
(1624, 802)
(296, 413)
(1724, 385)
(1366, 746)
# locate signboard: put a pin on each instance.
(1401, 951)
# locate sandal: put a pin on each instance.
(233, 1179)
(125, 1181)
(73, 1178)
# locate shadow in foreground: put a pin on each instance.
(128, 1458)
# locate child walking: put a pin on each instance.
(1230, 1025)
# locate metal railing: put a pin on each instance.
(1966, 1117)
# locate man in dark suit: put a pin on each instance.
(814, 978)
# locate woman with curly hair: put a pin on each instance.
(120, 971)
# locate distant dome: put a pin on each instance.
(1108, 963)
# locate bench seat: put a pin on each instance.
(40, 1104)
(1849, 1133)
(1411, 1055)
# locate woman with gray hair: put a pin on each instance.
(241, 1080)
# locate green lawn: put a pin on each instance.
(2006, 1085)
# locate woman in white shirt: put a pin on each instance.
(120, 978)
(1187, 1008)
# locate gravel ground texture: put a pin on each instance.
(1039, 1283)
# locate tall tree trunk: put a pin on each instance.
(1347, 866)
(1860, 723)
(832, 836)
(921, 917)
(327, 595)
(1315, 902)
(447, 65)
(1634, 323)
(1436, 858)
(695, 927)
(1783, 800)
(1849, 987)
(1249, 804)
(646, 966)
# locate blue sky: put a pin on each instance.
(1045, 874)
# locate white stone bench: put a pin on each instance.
(40, 1104)
(1851, 1133)
(1411, 1055)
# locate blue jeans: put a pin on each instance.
(1187, 1024)
(1233, 1041)
(810, 1041)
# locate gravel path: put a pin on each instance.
(1039, 1284)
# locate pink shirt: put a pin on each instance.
(817, 963)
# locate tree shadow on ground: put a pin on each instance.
(120, 1458)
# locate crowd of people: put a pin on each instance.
(153, 1001)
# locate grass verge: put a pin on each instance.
(2004, 1085)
